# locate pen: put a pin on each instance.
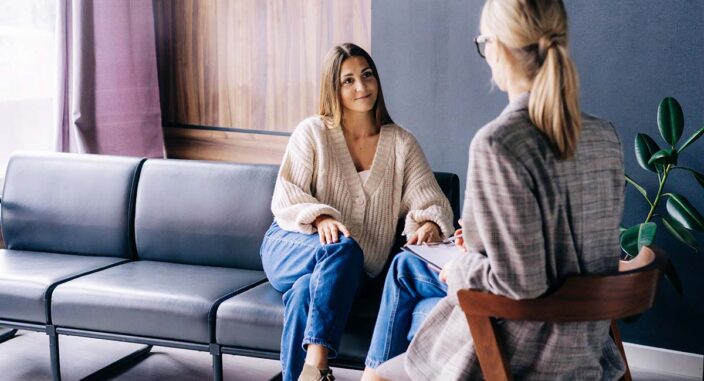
(447, 241)
(452, 238)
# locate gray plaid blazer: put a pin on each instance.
(530, 220)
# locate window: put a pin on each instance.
(28, 69)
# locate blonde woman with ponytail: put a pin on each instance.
(544, 200)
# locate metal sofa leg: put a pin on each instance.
(216, 353)
(54, 352)
(100, 374)
(119, 365)
(7, 334)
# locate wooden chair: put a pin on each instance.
(579, 298)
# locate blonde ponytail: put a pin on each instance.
(535, 33)
(554, 98)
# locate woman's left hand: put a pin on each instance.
(443, 276)
(445, 271)
(428, 232)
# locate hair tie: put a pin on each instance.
(548, 41)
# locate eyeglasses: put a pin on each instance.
(480, 41)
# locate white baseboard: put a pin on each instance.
(665, 361)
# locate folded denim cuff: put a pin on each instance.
(332, 352)
(372, 364)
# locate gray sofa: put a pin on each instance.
(157, 252)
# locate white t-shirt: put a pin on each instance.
(363, 175)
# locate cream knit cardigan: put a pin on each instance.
(317, 176)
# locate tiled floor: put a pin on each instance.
(26, 358)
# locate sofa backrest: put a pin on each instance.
(203, 213)
(68, 203)
(450, 185)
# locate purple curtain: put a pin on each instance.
(108, 99)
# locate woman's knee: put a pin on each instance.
(286, 256)
(404, 262)
(348, 250)
(405, 266)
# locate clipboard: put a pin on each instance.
(436, 256)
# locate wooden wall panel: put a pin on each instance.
(224, 146)
(249, 64)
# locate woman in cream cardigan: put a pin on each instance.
(347, 177)
(544, 200)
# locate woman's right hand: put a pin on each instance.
(329, 229)
(459, 242)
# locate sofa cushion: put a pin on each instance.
(150, 299)
(203, 213)
(254, 320)
(68, 203)
(25, 277)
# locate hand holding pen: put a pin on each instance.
(459, 237)
(452, 240)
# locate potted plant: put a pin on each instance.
(678, 216)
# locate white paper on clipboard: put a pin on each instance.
(436, 256)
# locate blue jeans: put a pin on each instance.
(319, 283)
(411, 290)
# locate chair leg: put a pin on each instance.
(616, 336)
(7, 334)
(54, 353)
(216, 354)
(492, 359)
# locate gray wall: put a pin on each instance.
(630, 54)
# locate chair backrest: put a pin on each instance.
(578, 299)
(644, 258)
(69, 203)
(203, 213)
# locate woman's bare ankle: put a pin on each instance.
(370, 375)
(317, 356)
